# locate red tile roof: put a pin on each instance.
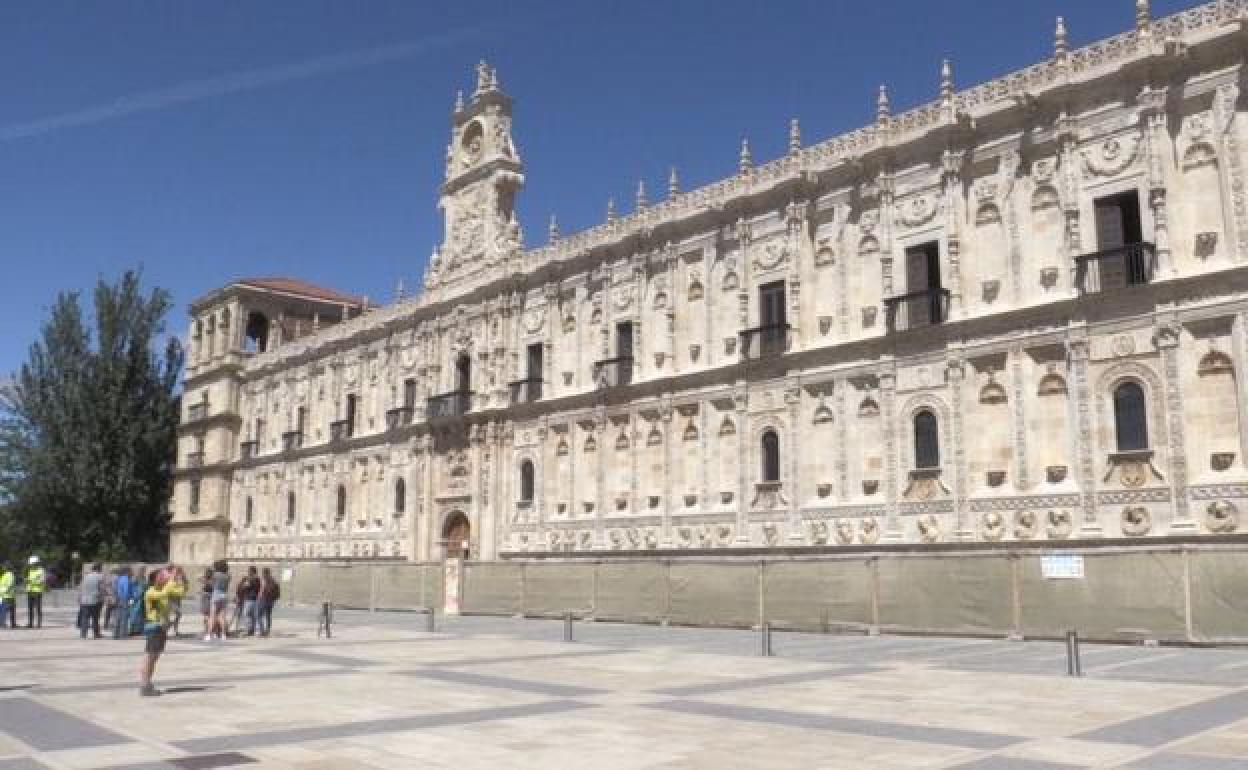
(302, 289)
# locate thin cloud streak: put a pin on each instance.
(225, 85)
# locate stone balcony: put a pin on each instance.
(917, 309)
(292, 440)
(398, 417)
(613, 372)
(1118, 268)
(526, 391)
(448, 405)
(765, 341)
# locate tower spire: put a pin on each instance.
(673, 184)
(946, 82)
(883, 108)
(553, 231)
(746, 161)
(610, 210)
(1059, 39)
(795, 137)
(483, 78)
(642, 200)
(1143, 15)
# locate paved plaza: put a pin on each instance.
(509, 693)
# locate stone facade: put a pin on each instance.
(1019, 312)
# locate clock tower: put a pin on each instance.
(483, 174)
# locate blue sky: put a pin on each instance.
(207, 141)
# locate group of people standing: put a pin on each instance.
(255, 595)
(35, 583)
(118, 597)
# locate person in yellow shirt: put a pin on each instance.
(8, 596)
(36, 582)
(168, 585)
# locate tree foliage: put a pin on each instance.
(88, 429)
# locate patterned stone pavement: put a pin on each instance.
(508, 693)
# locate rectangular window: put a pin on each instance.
(409, 393)
(1121, 260)
(350, 417)
(533, 371)
(624, 340)
(923, 267)
(259, 433)
(533, 366)
(1118, 221)
(300, 416)
(195, 496)
(771, 310)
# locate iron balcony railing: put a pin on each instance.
(765, 340)
(339, 430)
(917, 309)
(612, 372)
(248, 449)
(1118, 268)
(525, 391)
(454, 404)
(398, 417)
(195, 460)
(292, 440)
(197, 411)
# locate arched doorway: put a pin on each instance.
(456, 536)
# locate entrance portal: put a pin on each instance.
(456, 534)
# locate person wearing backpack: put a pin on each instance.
(121, 588)
(138, 589)
(270, 592)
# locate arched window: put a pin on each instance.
(526, 481)
(256, 333)
(771, 456)
(926, 440)
(1130, 417)
(290, 509)
(248, 512)
(342, 503)
(400, 496)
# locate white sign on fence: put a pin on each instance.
(1062, 566)
(288, 574)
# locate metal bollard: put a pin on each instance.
(764, 640)
(430, 620)
(1073, 665)
(326, 621)
(567, 626)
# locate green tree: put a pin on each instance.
(88, 429)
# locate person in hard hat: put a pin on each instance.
(36, 583)
(8, 596)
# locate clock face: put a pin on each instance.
(473, 142)
(472, 151)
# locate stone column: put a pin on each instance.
(1018, 410)
(1232, 169)
(669, 462)
(954, 204)
(1085, 437)
(885, 200)
(745, 475)
(893, 530)
(1068, 141)
(793, 400)
(1167, 339)
(957, 379)
(842, 438)
(1156, 140)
